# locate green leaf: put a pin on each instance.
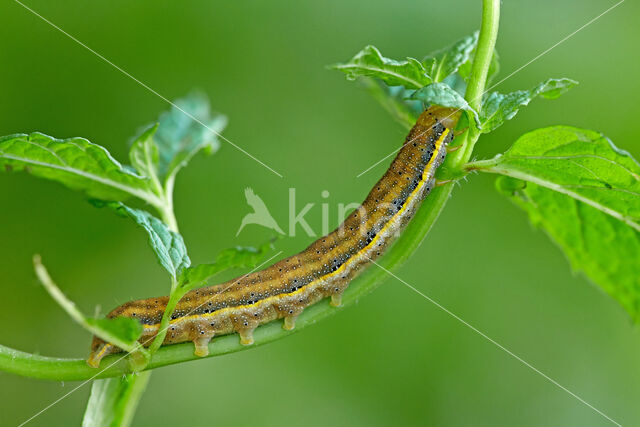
(447, 61)
(395, 77)
(144, 155)
(585, 193)
(579, 163)
(121, 331)
(393, 100)
(113, 401)
(441, 94)
(604, 248)
(497, 108)
(168, 245)
(187, 128)
(494, 67)
(76, 163)
(122, 327)
(238, 257)
(369, 62)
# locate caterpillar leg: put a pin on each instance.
(441, 182)
(98, 353)
(452, 149)
(460, 132)
(289, 322)
(336, 300)
(201, 346)
(246, 336)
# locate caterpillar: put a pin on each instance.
(324, 269)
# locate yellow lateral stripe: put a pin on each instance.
(102, 351)
(424, 178)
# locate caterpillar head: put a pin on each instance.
(448, 117)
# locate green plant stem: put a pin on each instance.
(175, 296)
(479, 71)
(167, 215)
(113, 401)
(35, 366)
(177, 292)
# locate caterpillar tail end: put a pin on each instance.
(93, 361)
(97, 354)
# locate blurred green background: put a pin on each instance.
(394, 358)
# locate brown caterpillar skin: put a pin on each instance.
(324, 269)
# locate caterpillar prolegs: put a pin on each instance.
(322, 270)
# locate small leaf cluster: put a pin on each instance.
(573, 183)
(405, 87)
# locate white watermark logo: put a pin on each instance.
(262, 216)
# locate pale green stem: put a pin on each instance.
(168, 217)
(113, 401)
(176, 294)
(479, 71)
